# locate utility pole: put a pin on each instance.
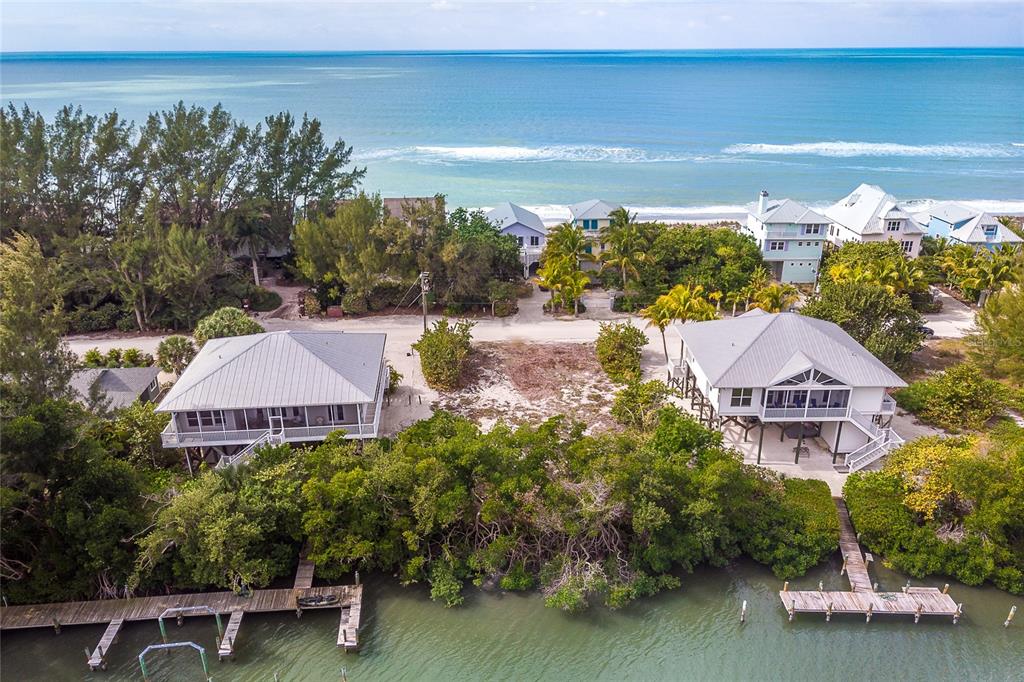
(424, 288)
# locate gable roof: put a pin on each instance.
(280, 369)
(507, 214)
(121, 386)
(948, 212)
(789, 211)
(865, 209)
(591, 209)
(759, 349)
(973, 231)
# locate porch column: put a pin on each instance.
(835, 448)
(760, 442)
(245, 419)
(782, 431)
(799, 444)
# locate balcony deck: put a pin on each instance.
(172, 438)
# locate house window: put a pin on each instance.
(520, 241)
(892, 225)
(812, 229)
(534, 241)
(990, 230)
(212, 418)
(590, 224)
(337, 413)
(908, 247)
(192, 418)
(777, 246)
(799, 243)
(741, 397)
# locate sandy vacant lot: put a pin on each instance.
(518, 382)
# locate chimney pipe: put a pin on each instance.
(760, 202)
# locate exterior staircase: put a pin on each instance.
(881, 440)
(272, 436)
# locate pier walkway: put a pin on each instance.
(862, 599)
(116, 612)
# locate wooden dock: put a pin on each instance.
(98, 658)
(116, 612)
(304, 575)
(226, 647)
(853, 561)
(348, 627)
(862, 599)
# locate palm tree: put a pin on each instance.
(988, 275)
(573, 284)
(659, 314)
(567, 241)
(551, 275)
(716, 296)
(734, 297)
(776, 297)
(687, 303)
(624, 247)
(759, 279)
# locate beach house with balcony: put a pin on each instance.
(592, 215)
(289, 386)
(790, 236)
(763, 370)
(870, 214)
(528, 229)
(963, 225)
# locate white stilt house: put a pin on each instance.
(761, 369)
(290, 386)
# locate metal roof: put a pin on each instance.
(791, 212)
(864, 209)
(120, 385)
(592, 209)
(973, 231)
(280, 369)
(759, 349)
(948, 212)
(507, 214)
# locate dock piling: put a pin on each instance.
(743, 612)
(785, 586)
(828, 613)
(871, 608)
(821, 586)
(959, 612)
(1009, 618)
(945, 589)
(792, 610)
(917, 613)
(842, 571)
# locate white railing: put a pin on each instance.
(888, 405)
(268, 438)
(865, 423)
(804, 412)
(171, 438)
(873, 450)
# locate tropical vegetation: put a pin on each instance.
(619, 347)
(947, 506)
(444, 349)
(956, 399)
(226, 321)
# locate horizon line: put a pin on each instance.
(470, 51)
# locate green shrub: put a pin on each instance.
(311, 304)
(353, 303)
(445, 586)
(101, 318)
(394, 379)
(619, 346)
(174, 353)
(518, 579)
(443, 351)
(264, 300)
(94, 358)
(224, 322)
(956, 399)
(637, 405)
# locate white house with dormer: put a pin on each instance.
(790, 236)
(870, 214)
(592, 215)
(783, 369)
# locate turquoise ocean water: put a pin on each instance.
(670, 133)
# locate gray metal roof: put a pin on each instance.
(280, 369)
(760, 349)
(591, 209)
(973, 231)
(948, 212)
(788, 211)
(507, 214)
(865, 209)
(120, 385)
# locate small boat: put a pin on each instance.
(318, 600)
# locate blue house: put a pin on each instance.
(964, 225)
(790, 236)
(528, 229)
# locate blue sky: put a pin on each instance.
(48, 25)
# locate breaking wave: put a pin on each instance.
(847, 149)
(517, 154)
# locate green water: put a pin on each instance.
(693, 633)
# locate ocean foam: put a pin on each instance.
(517, 154)
(847, 149)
